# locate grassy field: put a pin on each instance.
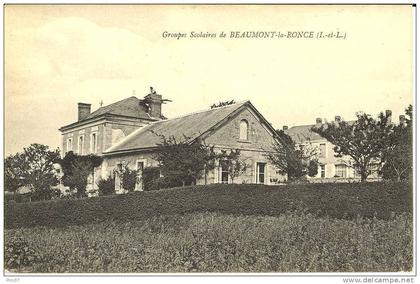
(224, 243)
(308, 228)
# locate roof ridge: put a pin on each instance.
(303, 125)
(313, 124)
(114, 103)
(206, 110)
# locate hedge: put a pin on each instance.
(335, 200)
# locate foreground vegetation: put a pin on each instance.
(210, 242)
(217, 228)
(334, 200)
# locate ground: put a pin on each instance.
(217, 230)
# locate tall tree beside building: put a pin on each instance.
(364, 140)
(398, 157)
(76, 170)
(184, 162)
(294, 160)
(34, 168)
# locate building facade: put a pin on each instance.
(128, 133)
(95, 132)
(330, 167)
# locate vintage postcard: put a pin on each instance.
(209, 140)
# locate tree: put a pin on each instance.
(184, 162)
(364, 140)
(398, 157)
(13, 176)
(294, 160)
(34, 167)
(151, 179)
(76, 170)
(128, 178)
(312, 168)
(221, 104)
(232, 163)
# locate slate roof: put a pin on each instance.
(128, 107)
(303, 133)
(191, 125)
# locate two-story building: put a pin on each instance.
(330, 167)
(95, 132)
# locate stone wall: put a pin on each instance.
(226, 137)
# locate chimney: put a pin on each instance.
(402, 119)
(83, 111)
(318, 120)
(388, 114)
(285, 127)
(337, 118)
(154, 102)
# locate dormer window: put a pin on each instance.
(243, 130)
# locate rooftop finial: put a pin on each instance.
(152, 91)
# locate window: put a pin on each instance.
(243, 130)
(340, 171)
(93, 142)
(139, 168)
(322, 150)
(69, 144)
(261, 172)
(322, 170)
(224, 172)
(80, 145)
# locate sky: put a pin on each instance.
(59, 55)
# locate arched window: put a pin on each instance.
(243, 130)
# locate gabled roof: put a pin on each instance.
(192, 126)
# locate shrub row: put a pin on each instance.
(334, 200)
(211, 242)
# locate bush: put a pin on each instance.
(18, 253)
(106, 186)
(52, 193)
(129, 179)
(47, 194)
(345, 201)
(151, 178)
